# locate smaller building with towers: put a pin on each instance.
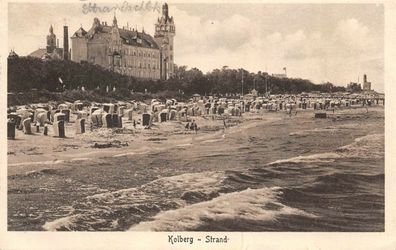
(52, 51)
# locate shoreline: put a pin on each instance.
(155, 140)
(171, 134)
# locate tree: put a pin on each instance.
(25, 73)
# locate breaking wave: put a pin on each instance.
(312, 188)
(251, 204)
(105, 211)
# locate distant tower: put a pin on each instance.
(366, 84)
(51, 40)
(115, 21)
(164, 33)
(65, 43)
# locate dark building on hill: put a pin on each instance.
(126, 50)
(354, 87)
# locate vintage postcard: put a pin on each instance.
(206, 125)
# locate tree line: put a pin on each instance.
(26, 73)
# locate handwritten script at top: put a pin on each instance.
(123, 7)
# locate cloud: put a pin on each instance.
(206, 36)
(337, 56)
(352, 35)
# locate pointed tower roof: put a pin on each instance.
(80, 32)
(12, 54)
(115, 20)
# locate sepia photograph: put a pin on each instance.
(151, 116)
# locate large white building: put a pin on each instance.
(126, 50)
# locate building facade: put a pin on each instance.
(126, 50)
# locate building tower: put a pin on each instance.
(65, 43)
(115, 45)
(164, 33)
(366, 84)
(51, 40)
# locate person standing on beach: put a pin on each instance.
(196, 128)
(192, 125)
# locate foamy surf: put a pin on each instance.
(184, 145)
(161, 194)
(124, 154)
(251, 204)
(319, 158)
(53, 162)
(141, 151)
(369, 146)
(65, 222)
(213, 140)
(36, 163)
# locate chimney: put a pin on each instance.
(364, 78)
(57, 43)
(65, 43)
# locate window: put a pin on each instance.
(117, 60)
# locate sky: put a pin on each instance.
(320, 42)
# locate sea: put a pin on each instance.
(294, 173)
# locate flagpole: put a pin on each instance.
(242, 83)
(266, 86)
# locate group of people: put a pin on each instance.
(192, 126)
